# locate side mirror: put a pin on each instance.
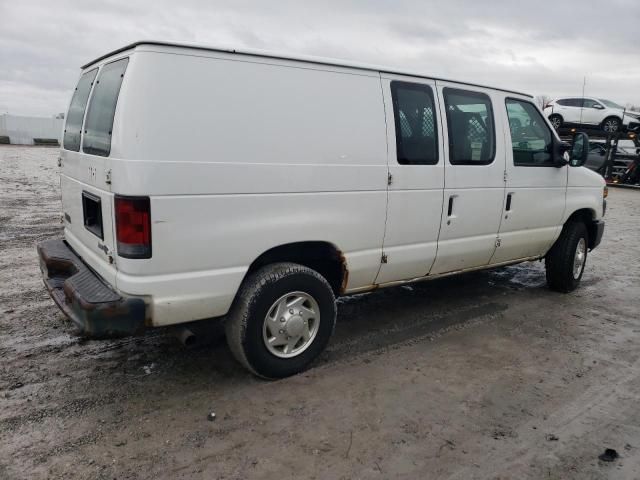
(579, 149)
(597, 106)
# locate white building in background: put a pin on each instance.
(23, 130)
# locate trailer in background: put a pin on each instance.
(618, 167)
(21, 130)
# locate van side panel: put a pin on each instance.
(584, 192)
(240, 156)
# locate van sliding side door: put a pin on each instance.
(474, 177)
(416, 168)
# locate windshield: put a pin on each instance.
(611, 104)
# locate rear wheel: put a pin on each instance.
(611, 124)
(282, 320)
(567, 258)
(556, 121)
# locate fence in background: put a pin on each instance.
(21, 130)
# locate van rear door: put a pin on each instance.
(85, 182)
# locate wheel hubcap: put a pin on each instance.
(579, 258)
(291, 324)
(555, 122)
(610, 126)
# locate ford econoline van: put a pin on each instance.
(252, 188)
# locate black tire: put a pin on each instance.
(556, 120)
(559, 261)
(611, 124)
(257, 294)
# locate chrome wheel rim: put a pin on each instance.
(610, 126)
(579, 258)
(291, 324)
(555, 122)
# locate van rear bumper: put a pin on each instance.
(94, 306)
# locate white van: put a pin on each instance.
(200, 183)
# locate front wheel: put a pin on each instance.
(567, 258)
(282, 319)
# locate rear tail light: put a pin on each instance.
(133, 226)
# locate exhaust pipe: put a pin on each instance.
(185, 336)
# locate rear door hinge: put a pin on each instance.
(107, 177)
(389, 179)
(504, 177)
(498, 242)
(384, 258)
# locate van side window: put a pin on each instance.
(73, 125)
(530, 136)
(416, 130)
(102, 108)
(472, 139)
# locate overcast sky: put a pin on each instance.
(540, 47)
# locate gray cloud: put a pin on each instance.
(544, 47)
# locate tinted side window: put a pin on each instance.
(530, 137)
(102, 108)
(570, 102)
(416, 131)
(73, 126)
(472, 139)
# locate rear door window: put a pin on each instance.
(102, 107)
(472, 139)
(73, 126)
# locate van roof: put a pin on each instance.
(301, 58)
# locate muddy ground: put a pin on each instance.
(487, 375)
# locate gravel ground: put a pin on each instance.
(486, 375)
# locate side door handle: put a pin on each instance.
(508, 206)
(450, 208)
